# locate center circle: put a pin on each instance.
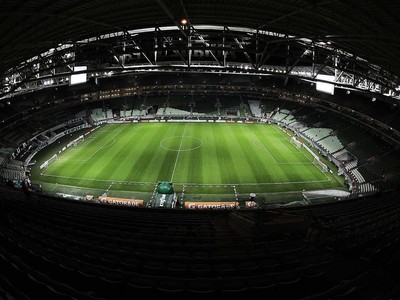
(181, 143)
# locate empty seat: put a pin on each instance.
(233, 286)
(171, 286)
(201, 287)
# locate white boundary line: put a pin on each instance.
(285, 138)
(284, 163)
(184, 183)
(265, 148)
(179, 152)
(177, 136)
(85, 160)
(102, 147)
(91, 139)
(195, 184)
(280, 141)
(88, 188)
(329, 179)
(109, 187)
(235, 193)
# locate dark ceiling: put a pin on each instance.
(368, 28)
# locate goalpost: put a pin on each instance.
(316, 160)
(320, 164)
(77, 141)
(296, 142)
(49, 161)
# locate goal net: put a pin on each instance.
(77, 141)
(323, 167)
(296, 142)
(49, 161)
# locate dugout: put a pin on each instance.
(165, 196)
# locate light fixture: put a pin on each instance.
(184, 22)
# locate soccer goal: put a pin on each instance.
(49, 161)
(77, 141)
(323, 167)
(296, 142)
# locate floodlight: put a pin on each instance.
(80, 77)
(324, 86)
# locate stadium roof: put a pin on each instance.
(369, 29)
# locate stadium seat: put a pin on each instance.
(201, 288)
(263, 285)
(139, 286)
(201, 270)
(171, 286)
(177, 269)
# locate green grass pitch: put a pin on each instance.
(200, 158)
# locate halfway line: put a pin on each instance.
(179, 151)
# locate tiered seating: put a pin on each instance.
(288, 120)
(12, 170)
(297, 125)
(5, 151)
(97, 114)
(61, 115)
(366, 188)
(109, 114)
(278, 116)
(331, 144)
(357, 175)
(81, 114)
(350, 165)
(12, 137)
(317, 134)
(341, 155)
(161, 111)
(255, 108)
(169, 111)
(12, 174)
(312, 117)
(63, 249)
(125, 113)
(351, 134)
(136, 112)
(366, 148)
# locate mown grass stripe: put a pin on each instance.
(230, 154)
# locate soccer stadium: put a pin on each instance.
(195, 149)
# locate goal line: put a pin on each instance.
(48, 162)
(298, 144)
(323, 167)
(77, 141)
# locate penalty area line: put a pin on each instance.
(323, 173)
(104, 145)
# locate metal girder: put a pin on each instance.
(218, 49)
(172, 17)
(138, 46)
(195, 33)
